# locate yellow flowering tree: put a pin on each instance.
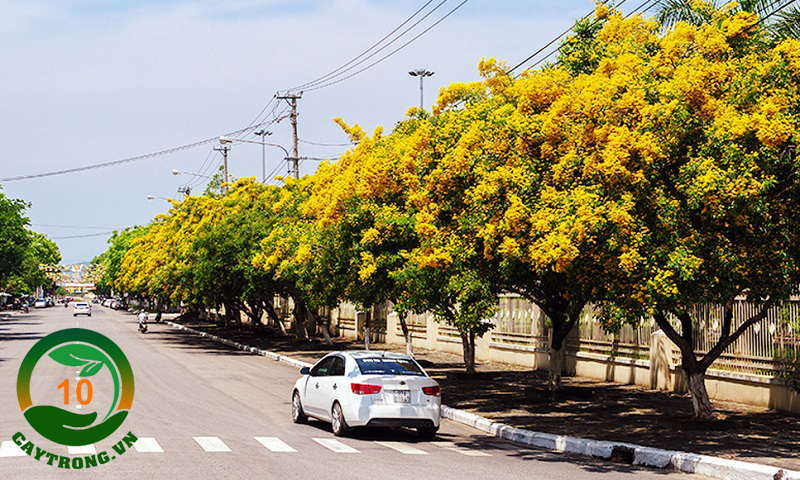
(673, 180)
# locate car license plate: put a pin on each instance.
(402, 396)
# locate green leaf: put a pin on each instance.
(77, 355)
(91, 369)
(64, 355)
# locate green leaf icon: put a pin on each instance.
(77, 355)
(91, 369)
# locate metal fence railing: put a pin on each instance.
(766, 348)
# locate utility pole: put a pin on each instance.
(295, 168)
(224, 149)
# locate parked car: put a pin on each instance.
(81, 308)
(40, 303)
(107, 302)
(368, 389)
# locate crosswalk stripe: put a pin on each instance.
(212, 444)
(10, 449)
(274, 444)
(402, 448)
(458, 449)
(82, 450)
(335, 445)
(147, 445)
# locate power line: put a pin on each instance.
(123, 161)
(349, 144)
(336, 71)
(342, 70)
(83, 236)
(334, 82)
(72, 226)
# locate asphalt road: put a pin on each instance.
(205, 411)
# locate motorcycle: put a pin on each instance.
(25, 308)
(143, 327)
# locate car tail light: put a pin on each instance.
(365, 389)
(432, 391)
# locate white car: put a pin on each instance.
(40, 303)
(81, 308)
(368, 388)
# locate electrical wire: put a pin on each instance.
(123, 161)
(83, 236)
(71, 226)
(387, 36)
(334, 82)
(349, 144)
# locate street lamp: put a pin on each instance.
(153, 197)
(421, 73)
(263, 134)
(225, 140)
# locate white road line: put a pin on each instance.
(402, 448)
(274, 444)
(335, 445)
(212, 444)
(147, 445)
(11, 449)
(458, 449)
(84, 450)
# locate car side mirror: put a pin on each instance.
(305, 371)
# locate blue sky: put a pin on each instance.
(95, 81)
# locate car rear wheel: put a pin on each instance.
(427, 433)
(338, 423)
(298, 416)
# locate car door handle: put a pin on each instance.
(334, 386)
(317, 386)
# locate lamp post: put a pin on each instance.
(421, 73)
(153, 197)
(226, 140)
(263, 134)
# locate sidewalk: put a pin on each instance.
(584, 408)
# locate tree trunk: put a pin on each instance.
(323, 326)
(273, 315)
(696, 382)
(406, 335)
(468, 344)
(555, 366)
(299, 314)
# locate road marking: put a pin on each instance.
(212, 444)
(335, 445)
(147, 445)
(84, 450)
(10, 449)
(458, 449)
(274, 444)
(402, 448)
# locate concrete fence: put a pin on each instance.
(640, 355)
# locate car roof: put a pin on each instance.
(357, 354)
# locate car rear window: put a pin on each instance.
(388, 366)
(81, 304)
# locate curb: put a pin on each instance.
(264, 353)
(636, 454)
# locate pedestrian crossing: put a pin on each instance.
(212, 444)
